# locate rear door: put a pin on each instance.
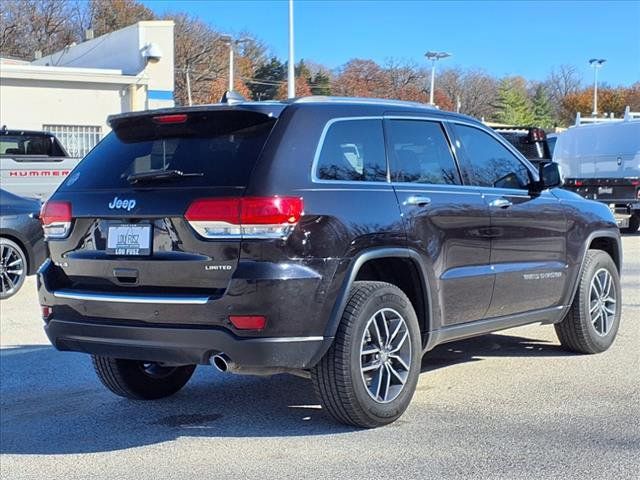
(528, 252)
(446, 222)
(129, 197)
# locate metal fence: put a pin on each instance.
(76, 139)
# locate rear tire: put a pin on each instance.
(141, 380)
(368, 376)
(592, 321)
(634, 224)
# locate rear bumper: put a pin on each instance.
(183, 345)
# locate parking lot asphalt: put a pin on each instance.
(507, 405)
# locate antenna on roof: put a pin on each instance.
(231, 98)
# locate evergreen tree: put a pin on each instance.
(542, 109)
(513, 105)
(320, 84)
(268, 77)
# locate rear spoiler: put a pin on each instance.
(267, 108)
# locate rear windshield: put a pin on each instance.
(26, 144)
(209, 149)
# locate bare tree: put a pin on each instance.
(31, 25)
(475, 90)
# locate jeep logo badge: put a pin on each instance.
(117, 203)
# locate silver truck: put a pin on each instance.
(32, 163)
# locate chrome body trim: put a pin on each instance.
(131, 298)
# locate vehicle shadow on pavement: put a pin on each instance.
(491, 345)
(52, 402)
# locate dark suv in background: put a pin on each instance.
(338, 239)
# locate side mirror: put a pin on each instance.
(550, 177)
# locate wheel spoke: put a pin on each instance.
(608, 310)
(396, 374)
(370, 351)
(377, 332)
(372, 366)
(387, 382)
(386, 328)
(594, 305)
(18, 261)
(379, 381)
(609, 283)
(399, 359)
(9, 281)
(603, 322)
(401, 342)
(395, 331)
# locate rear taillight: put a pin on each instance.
(56, 219)
(247, 217)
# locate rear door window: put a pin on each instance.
(419, 153)
(353, 150)
(208, 149)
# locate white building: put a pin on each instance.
(71, 92)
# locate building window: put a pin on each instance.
(76, 139)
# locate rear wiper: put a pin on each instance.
(160, 175)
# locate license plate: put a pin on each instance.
(606, 190)
(129, 239)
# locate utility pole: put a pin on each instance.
(232, 43)
(291, 75)
(231, 66)
(434, 57)
(596, 63)
(188, 85)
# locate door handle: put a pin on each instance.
(418, 200)
(500, 203)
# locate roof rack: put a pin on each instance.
(366, 100)
(628, 116)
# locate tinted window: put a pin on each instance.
(211, 149)
(353, 150)
(489, 162)
(419, 153)
(39, 145)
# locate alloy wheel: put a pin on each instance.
(385, 355)
(12, 269)
(602, 301)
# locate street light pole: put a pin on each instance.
(596, 63)
(434, 57)
(291, 77)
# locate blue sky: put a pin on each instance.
(504, 38)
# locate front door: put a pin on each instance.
(528, 231)
(446, 222)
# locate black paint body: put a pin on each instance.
(19, 222)
(476, 269)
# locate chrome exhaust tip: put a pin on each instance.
(221, 362)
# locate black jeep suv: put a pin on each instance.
(338, 239)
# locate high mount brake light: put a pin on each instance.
(56, 219)
(246, 217)
(174, 118)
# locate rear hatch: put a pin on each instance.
(119, 217)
